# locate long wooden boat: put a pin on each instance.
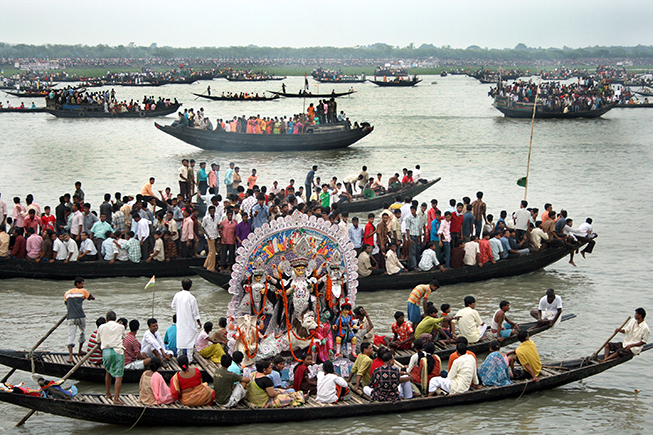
(55, 364)
(525, 110)
(482, 346)
(396, 83)
(221, 98)
(645, 92)
(323, 137)
(407, 280)
(633, 106)
(96, 408)
(343, 79)
(21, 268)
(95, 111)
(29, 93)
(370, 204)
(22, 110)
(253, 78)
(310, 95)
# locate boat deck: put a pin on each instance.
(62, 358)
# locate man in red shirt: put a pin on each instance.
(32, 221)
(485, 248)
(134, 358)
(20, 245)
(370, 230)
(456, 224)
(48, 220)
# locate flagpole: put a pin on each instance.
(530, 146)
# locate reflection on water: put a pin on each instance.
(598, 168)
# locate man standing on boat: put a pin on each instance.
(188, 316)
(111, 335)
(309, 184)
(419, 294)
(228, 178)
(183, 178)
(637, 333)
(74, 298)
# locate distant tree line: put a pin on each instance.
(371, 52)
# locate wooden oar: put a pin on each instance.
(69, 374)
(38, 343)
(611, 337)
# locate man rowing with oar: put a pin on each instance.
(637, 333)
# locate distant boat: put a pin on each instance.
(397, 82)
(237, 98)
(310, 95)
(525, 110)
(22, 110)
(96, 111)
(315, 137)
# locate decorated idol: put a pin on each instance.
(290, 281)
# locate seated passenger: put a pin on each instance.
(187, 386)
(134, 358)
(495, 370)
(427, 368)
(429, 259)
(278, 365)
(461, 376)
(261, 393)
(229, 387)
(384, 385)
(528, 357)
(302, 381)
(428, 330)
(501, 325)
(392, 263)
(403, 333)
(208, 346)
(96, 357)
(153, 389)
(469, 322)
(330, 387)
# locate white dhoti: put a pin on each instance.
(439, 382)
(185, 306)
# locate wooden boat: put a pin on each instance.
(95, 407)
(95, 111)
(483, 345)
(645, 92)
(22, 110)
(55, 364)
(323, 137)
(396, 83)
(253, 78)
(21, 268)
(407, 280)
(220, 98)
(310, 95)
(136, 85)
(525, 110)
(173, 81)
(633, 106)
(342, 79)
(362, 204)
(29, 93)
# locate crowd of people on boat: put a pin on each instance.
(323, 113)
(105, 100)
(374, 374)
(162, 226)
(586, 94)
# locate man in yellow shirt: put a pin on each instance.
(362, 367)
(527, 355)
(430, 326)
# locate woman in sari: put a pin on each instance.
(187, 387)
(153, 388)
(495, 370)
(302, 382)
(262, 394)
(428, 367)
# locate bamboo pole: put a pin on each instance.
(530, 146)
(68, 375)
(38, 343)
(611, 337)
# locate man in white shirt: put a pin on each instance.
(637, 333)
(472, 252)
(461, 376)
(549, 310)
(182, 173)
(429, 260)
(188, 319)
(78, 222)
(496, 246)
(71, 248)
(522, 218)
(152, 345)
(3, 211)
(110, 336)
(210, 224)
(142, 234)
(469, 322)
(586, 234)
(59, 248)
(330, 387)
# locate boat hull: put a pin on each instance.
(93, 408)
(20, 268)
(377, 202)
(500, 269)
(395, 83)
(223, 141)
(219, 98)
(98, 112)
(525, 110)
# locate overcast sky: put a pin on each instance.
(291, 23)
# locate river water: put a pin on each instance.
(593, 168)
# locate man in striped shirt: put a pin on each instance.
(419, 294)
